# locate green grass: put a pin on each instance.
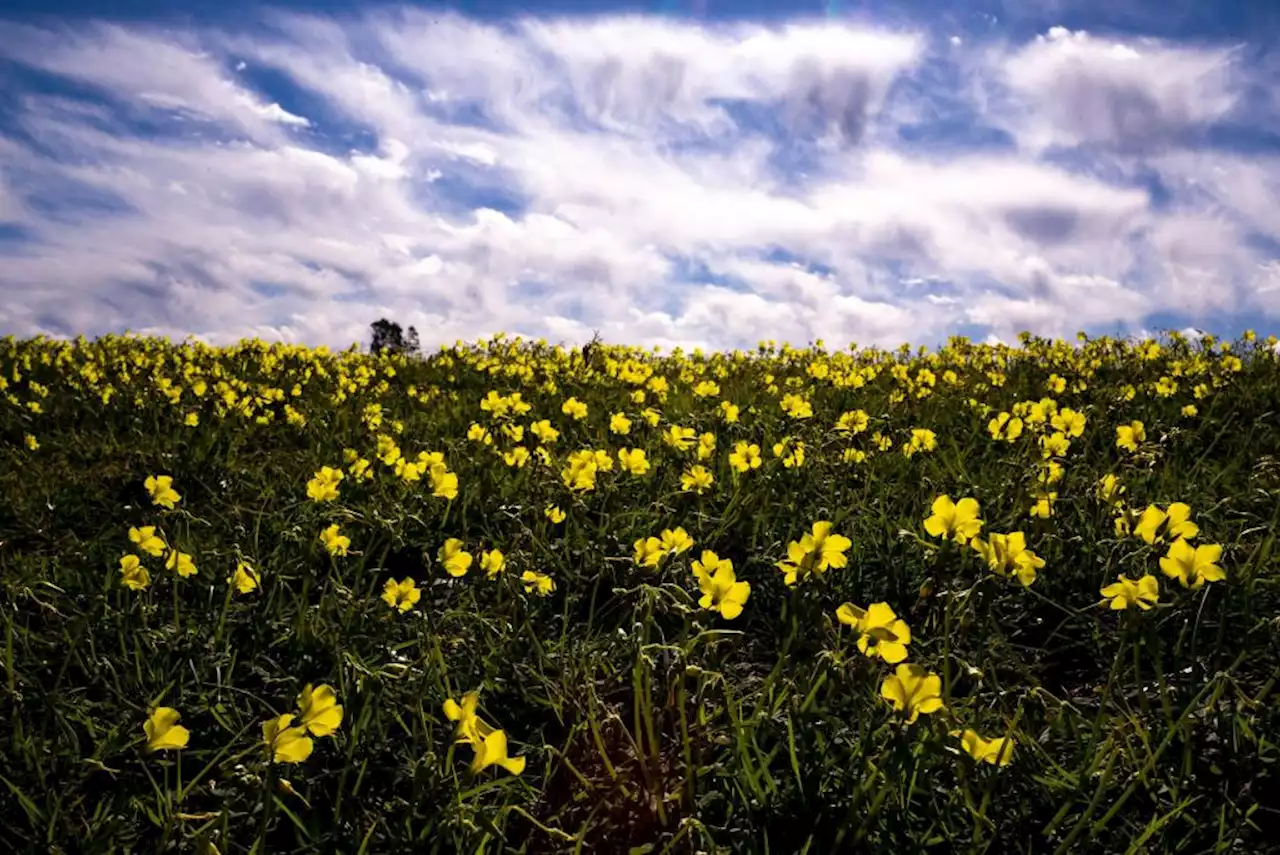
(649, 724)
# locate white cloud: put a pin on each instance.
(555, 177)
(1080, 88)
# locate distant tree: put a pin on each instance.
(411, 345)
(387, 335)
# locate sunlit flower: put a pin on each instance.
(132, 574)
(814, 554)
(163, 731)
(180, 562)
(1125, 592)
(697, 479)
(721, 590)
(320, 711)
(1005, 427)
(958, 521)
(881, 633)
(245, 578)
(554, 513)
(1193, 566)
(402, 595)
(1007, 554)
(1042, 503)
(997, 751)
(1155, 525)
(537, 583)
(492, 751)
(745, 456)
(1110, 490)
(146, 539)
(633, 460)
(912, 690)
(160, 488)
(492, 562)
(323, 487)
(455, 559)
(574, 409)
(1128, 436)
(335, 543)
(619, 424)
(285, 742)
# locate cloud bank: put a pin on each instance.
(658, 180)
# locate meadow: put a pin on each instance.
(514, 597)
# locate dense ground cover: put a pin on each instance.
(708, 602)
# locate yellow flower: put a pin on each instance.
(923, 439)
(286, 743)
(1128, 436)
(619, 424)
(574, 409)
(1042, 504)
(1190, 411)
(245, 578)
(31, 442)
(1125, 592)
(321, 712)
(181, 562)
(1193, 566)
(1005, 427)
(455, 559)
(1069, 422)
(649, 551)
(163, 731)
(881, 633)
(745, 456)
(147, 540)
(957, 521)
(852, 422)
(402, 595)
(1054, 445)
(335, 543)
(1007, 554)
(537, 583)
(796, 407)
(134, 575)
(554, 513)
(1155, 525)
(721, 590)
(997, 752)
(516, 457)
(444, 484)
(814, 554)
(471, 728)
(160, 488)
(323, 487)
(1110, 490)
(729, 412)
(633, 460)
(912, 690)
(493, 752)
(697, 479)
(492, 562)
(676, 540)
(679, 438)
(544, 431)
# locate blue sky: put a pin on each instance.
(693, 172)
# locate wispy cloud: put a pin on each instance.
(658, 180)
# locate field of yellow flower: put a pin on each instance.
(513, 597)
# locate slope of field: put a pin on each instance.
(517, 598)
